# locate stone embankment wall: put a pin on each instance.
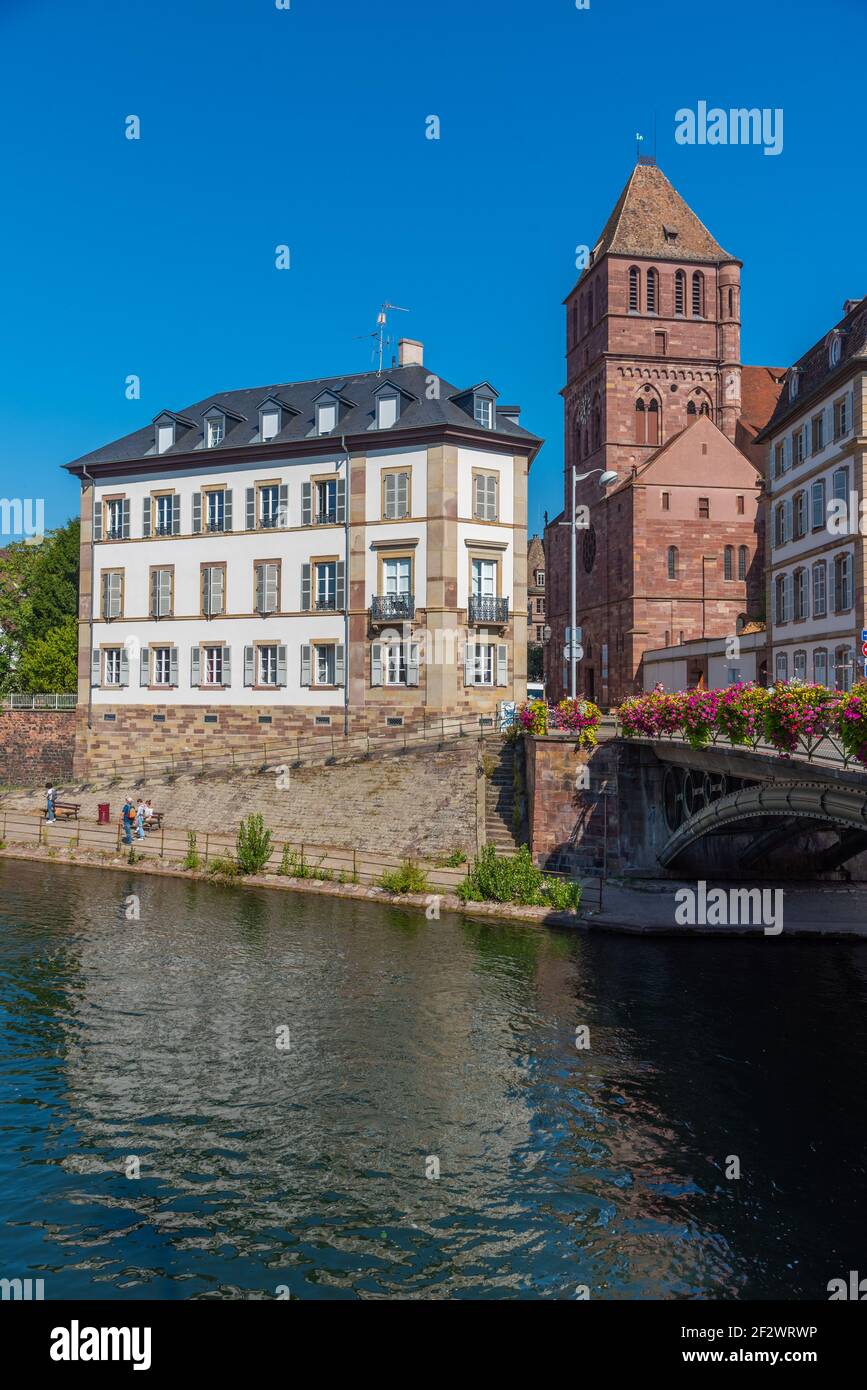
(36, 746)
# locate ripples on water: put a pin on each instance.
(305, 1168)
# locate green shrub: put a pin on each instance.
(223, 866)
(515, 879)
(285, 865)
(192, 859)
(409, 878)
(453, 860)
(253, 846)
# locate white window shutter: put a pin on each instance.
(227, 509)
(305, 588)
(306, 504)
(194, 666)
(272, 597)
(284, 504)
(97, 522)
(144, 666)
(491, 514)
(478, 499)
(146, 516)
(249, 665)
(412, 664)
(502, 664)
(124, 666)
(165, 593)
(341, 500)
(469, 663)
(176, 515)
(155, 594)
(251, 509)
(340, 585)
(339, 665)
(173, 665)
(376, 663)
(390, 494)
(260, 588)
(788, 524)
(281, 665)
(305, 665)
(197, 513)
(125, 522)
(227, 666)
(95, 664)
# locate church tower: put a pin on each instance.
(652, 348)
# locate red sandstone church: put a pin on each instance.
(656, 393)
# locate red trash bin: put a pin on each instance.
(102, 813)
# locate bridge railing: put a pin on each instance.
(824, 750)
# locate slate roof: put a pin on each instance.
(816, 373)
(357, 419)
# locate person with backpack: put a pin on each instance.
(128, 820)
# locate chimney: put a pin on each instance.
(509, 412)
(410, 353)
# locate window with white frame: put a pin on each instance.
(213, 590)
(800, 514)
(394, 663)
(485, 490)
(395, 495)
(213, 665)
(269, 505)
(215, 514)
(540, 579)
(484, 657)
(326, 501)
(841, 417)
(802, 595)
(161, 673)
(267, 575)
(326, 417)
(820, 589)
(386, 412)
(111, 658)
(216, 432)
(112, 594)
(842, 582)
(840, 485)
(782, 666)
(820, 666)
(779, 460)
(483, 412)
(484, 578)
(270, 424)
(799, 666)
(844, 667)
(326, 584)
(162, 586)
(163, 514)
(114, 519)
(268, 665)
(799, 446)
(397, 575)
(323, 664)
(818, 433)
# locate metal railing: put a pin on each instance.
(386, 608)
(488, 610)
(42, 702)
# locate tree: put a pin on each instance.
(49, 664)
(38, 594)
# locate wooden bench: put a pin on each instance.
(65, 810)
(154, 821)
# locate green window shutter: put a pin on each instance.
(249, 665)
(305, 665)
(306, 504)
(197, 513)
(97, 523)
(146, 516)
(305, 588)
(339, 665)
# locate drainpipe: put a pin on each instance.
(345, 594)
(92, 482)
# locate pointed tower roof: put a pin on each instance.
(651, 219)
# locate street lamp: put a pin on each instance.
(605, 480)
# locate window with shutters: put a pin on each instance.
(483, 668)
(326, 502)
(782, 666)
(841, 417)
(212, 665)
(817, 429)
(213, 590)
(113, 518)
(163, 513)
(800, 514)
(779, 460)
(112, 594)
(111, 665)
(820, 589)
(844, 667)
(729, 562)
(162, 585)
(780, 590)
(269, 505)
(801, 596)
(697, 294)
(780, 524)
(324, 664)
(820, 666)
(485, 496)
(325, 574)
(817, 504)
(799, 446)
(395, 493)
(161, 670)
(215, 509)
(842, 583)
(743, 561)
(216, 431)
(652, 291)
(268, 664)
(840, 485)
(266, 578)
(799, 666)
(634, 289)
(679, 293)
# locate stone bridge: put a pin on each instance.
(660, 809)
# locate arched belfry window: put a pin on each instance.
(652, 291)
(646, 421)
(698, 294)
(653, 422)
(680, 293)
(640, 423)
(690, 408)
(634, 289)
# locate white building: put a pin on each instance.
(340, 553)
(709, 663)
(816, 447)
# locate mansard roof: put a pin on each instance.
(816, 374)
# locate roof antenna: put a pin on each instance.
(379, 333)
(638, 140)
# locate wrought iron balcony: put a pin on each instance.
(328, 517)
(389, 608)
(494, 611)
(326, 605)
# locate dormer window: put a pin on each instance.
(793, 384)
(170, 429)
(387, 411)
(216, 431)
(483, 412)
(326, 417)
(269, 424)
(165, 437)
(834, 349)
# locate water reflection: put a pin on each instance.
(413, 1041)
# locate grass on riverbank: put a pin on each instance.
(515, 879)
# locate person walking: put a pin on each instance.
(50, 798)
(140, 819)
(128, 819)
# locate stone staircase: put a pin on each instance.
(500, 796)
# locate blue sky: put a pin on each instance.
(306, 127)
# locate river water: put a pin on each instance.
(286, 1074)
